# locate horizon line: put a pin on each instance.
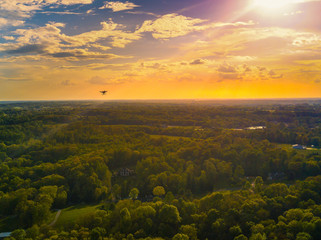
(164, 99)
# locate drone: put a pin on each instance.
(103, 92)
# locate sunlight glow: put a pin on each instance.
(271, 4)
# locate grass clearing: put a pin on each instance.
(71, 214)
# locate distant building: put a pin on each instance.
(298, 146)
(125, 172)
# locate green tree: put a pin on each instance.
(258, 184)
(125, 220)
(61, 199)
(32, 232)
(158, 191)
(18, 234)
(190, 231)
(258, 236)
(303, 236)
(169, 214)
(180, 236)
(116, 191)
(238, 173)
(235, 230)
(97, 233)
(241, 237)
(133, 194)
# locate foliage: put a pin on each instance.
(209, 179)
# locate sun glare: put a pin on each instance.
(271, 4)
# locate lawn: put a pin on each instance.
(71, 214)
(67, 217)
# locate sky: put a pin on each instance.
(165, 49)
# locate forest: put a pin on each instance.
(160, 170)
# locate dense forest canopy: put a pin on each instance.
(161, 170)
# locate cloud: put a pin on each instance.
(246, 72)
(28, 49)
(63, 54)
(143, 13)
(229, 72)
(226, 68)
(231, 24)
(292, 13)
(49, 40)
(273, 75)
(8, 38)
(307, 40)
(70, 2)
(131, 75)
(96, 80)
(61, 13)
(14, 74)
(119, 37)
(10, 22)
(174, 25)
(99, 46)
(265, 73)
(261, 69)
(119, 6)
(197, 62)
(260, 45)
(171, 25)
(317, 81)
(246, 68)
(83, 54)
(230, 76)
(18, 79)
(25, 8)
(154, 66)
(67, 83)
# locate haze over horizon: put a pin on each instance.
(143, 49)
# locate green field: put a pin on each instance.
(67, 217)
(71, 214)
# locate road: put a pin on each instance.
(56, 218)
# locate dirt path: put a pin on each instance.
(56, 218)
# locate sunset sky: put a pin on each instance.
(166, 49)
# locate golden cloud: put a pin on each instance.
(119, 6)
